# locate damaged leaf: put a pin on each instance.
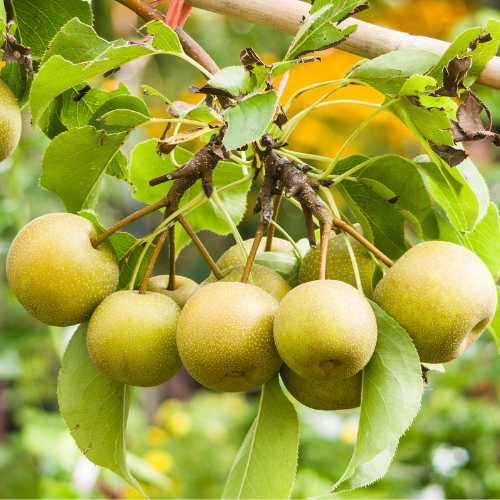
(14, 52)
(281, 117)
(449, 154)
(453, 76)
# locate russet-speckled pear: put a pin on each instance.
(327, 395)
(263, 277)
(225, 337)
(184, 288)
(131, 338)
(443, 295)
(339, 263)
(233, 257)
(325, 330)
(56, 273)
(10, 121)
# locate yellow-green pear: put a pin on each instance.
(339, 262)
(325, 330)
(10, 121)
(443, 295)
(56, 273)
(263, 277)
(184, 288)
(131, 338)
(233, 257)
(225, 337)
(327, 395)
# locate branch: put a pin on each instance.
(368, 41)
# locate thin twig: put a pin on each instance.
(151, 263)
(276, 207)
(325, 235)
(309, 226)
(253, 251)
(171, 250)
(189, 230)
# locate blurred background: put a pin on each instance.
(182, 438)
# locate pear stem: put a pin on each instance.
(171, 249)
(151, 263)
(253, 251)
(309, 226)
(189, 230)
(276, 207)
(325, 235)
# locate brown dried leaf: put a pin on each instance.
(281, 118)
(14, 52)
(449, 154)
(480, 39)
(249, 59)
(453, 76)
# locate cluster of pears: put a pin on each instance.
(232, 336)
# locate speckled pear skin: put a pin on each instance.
(263, 277)
(184, 288)
(339, 263)
(10, 121)
(56, 274)
(325, 330)
(443, 295)
(225, 337)
(232, 257)
(131, 338)
(326, 395)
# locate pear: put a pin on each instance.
(225, 337)
(184, 288)
(131, 338)
(325, 330)
(332, 394)
(443, 295)
(233, 257)
(56, 273)
(339, 262)
(10, 121)
(263, 277)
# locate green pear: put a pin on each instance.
(263, 277)
(225, 337)
(327, 395)
(56, 273)
(339, 262)
(443, 295)
(233, 257)
(325, 330)
(131, 338)
(184, 288)
(10, 121)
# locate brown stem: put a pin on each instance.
(276, 207)
(325, 235)
(253, 251)
(309, 226)
(373, 249)
(130, 218)
(151, 263)
(191, 48)
(171, 249)
(189, 230)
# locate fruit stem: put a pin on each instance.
(151, 263)
(189, 230)
(288, 237)
(171, 250)
(325, 235)
(276, 207)
(261, 229)
(309, 226)
(138, 265)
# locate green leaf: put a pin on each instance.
(416, 84)
(124, 118)
(38, 20)
(266, 462)
(494, 326)
(318, 33)
(77, 54)
(389, 72)
(123, 109)
(249, 119)
(118, 167)
(484, 241)
(95, 408)
(234, 79)
(287, 266)
(342, 8)
(390, 400)
(18, 80)
(74, 163)
(145, 164)
(477, 183)
(3, 17)
(446, 231)
(399, 182)
(165, 38)
(50, 122)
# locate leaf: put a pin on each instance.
(266, 462)
(446, 231)
(74, 163)
(416, 84)
(3, 17)
(388, 73)
(77, 54)
(145, 164)
(18, 80)
(494, 326)
(38, 20)
(118, 167)
(287, 266)
(95, 408)
(249, 119)
(124, 118)
(477, 184)
(124, 109)
(318, 33)
(234, 80)
(343, 8)
(484, 241)
(390, 400)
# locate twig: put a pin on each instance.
(309, 226)
(151, 263)
(253, 251)
(171, 251)
(276, 207)
(189, 230)
(325, 235)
